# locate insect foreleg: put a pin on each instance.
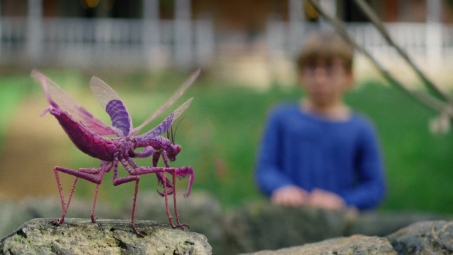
(156, 153)
(176, 172)
(174, 205)
(161, 176)
(156, 157)
(165, 158)
(147, 151)
(183, 172)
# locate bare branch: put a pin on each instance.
(372, 16)
(426, 100)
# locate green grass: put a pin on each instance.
(12, 90)
(222, 128)
(419, 164)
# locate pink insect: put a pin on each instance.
(90, 135)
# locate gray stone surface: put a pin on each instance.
(12, 215)
(251, 228)
(265, 226)
(354, 245)
(385, 223)
(200, 211)
(428, 237)
(260, 226)
(81, 236)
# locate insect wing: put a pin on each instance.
(112, 104)
(58, 98)
(166, 123)
(169, 102)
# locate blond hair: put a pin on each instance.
(325, 46)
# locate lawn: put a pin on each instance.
(221, 130)
(12, 89)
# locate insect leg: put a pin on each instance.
(156, 156)
(121, 180)
(170, 218)
(105, 167)
(93, 219)
(157, 170)
(64, 207)
(131, 162)
(84, 173)
(147, 151)
(161, 176)
(183, 172)
(177, 172)
(174, 203)
(165, 159)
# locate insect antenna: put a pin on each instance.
(169, 135)
(173, 133)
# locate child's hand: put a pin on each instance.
(326, 200)
(289, 196)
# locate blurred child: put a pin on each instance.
(319, 152)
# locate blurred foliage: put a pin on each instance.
(221, 131)
(12, 90)
(418, 162)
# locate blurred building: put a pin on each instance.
(187, 33)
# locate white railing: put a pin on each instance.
(106, 42)
(168, 43)
(426, 42)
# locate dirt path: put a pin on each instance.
(32, 147)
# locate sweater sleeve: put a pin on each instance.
(268, 173)
(370, 187)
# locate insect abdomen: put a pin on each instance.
(89, 143)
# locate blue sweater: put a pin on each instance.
(311, 152)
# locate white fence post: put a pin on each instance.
(296, 25)
(183, 34)
(330, 6)
(35, 31)
(204, 41)
(151, 34)
(276, 35)
(434, 33)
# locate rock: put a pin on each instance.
(200, 211)
(256, 226)
(429, 237)
(265, 226)
(354, 245)
(11, 217)
(13, 214)
(81, 236)
(385, 223)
